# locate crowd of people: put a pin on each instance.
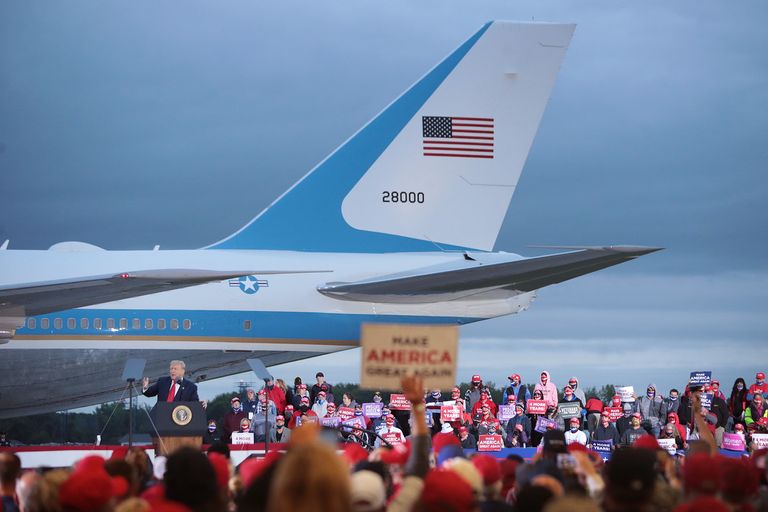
(408, 459)
(277, 409)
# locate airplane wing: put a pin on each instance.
(522, 275)
(39, 298)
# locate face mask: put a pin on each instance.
(574, 429)
(377, 399)
(673, 398)
(651, 394)
(304, 408)
(739, 386)
(358, 413)
(211, 428)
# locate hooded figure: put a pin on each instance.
(547, 388)
(574, 383)
(653, 409)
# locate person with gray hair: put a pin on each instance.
(174, 388)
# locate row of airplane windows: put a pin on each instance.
(121, 324)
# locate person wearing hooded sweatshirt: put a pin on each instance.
(674, 420)
(737, 402)
(653, 409)
(515, 389)
(574, 383)
(547, 388)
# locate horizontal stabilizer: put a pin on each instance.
(523, 275)
(39, 298)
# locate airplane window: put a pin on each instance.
(110, 323)
(71, 323)
(97, 323)
(58, 323)
(123, 324)
(44, 323)
(135, 324)
(174, 324)
(161, 324)
(31, 323)
(148, 323)
(83, 323)
(247, 325)
(187, 324)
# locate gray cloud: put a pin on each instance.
(130, 126)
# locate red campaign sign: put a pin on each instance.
(488, 443)
(536, 406)
(393, 438)
(614, 413)
(345, 413)
(398, 402)
(450, 413)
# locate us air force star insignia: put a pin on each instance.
(249, 284)
(181, 415)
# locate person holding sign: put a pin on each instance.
(606, 431)
(484, 401)
(670, 432)
(390, 432)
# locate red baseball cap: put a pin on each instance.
(760, 376)
(476, 378)
(637, 415)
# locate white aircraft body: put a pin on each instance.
(396, 225)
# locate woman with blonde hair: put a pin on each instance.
(310, 477)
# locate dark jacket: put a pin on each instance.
(609, 433)
(187, 391)
(231, 424)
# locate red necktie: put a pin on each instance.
(171, 394)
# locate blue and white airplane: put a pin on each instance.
(396, 225)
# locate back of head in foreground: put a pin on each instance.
(630, 478)
(310, 477)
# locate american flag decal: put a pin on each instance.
(464, 137)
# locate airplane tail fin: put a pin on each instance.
(437, 167)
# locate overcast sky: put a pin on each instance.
(127, 125)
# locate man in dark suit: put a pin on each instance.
(174, 388)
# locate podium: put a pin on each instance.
(177, 424)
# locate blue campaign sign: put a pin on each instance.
(602, 446)
(543, 423)
(700, 378)
(706, 400)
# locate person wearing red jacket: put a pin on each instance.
(276, 394)
(760, 386)
(484, 400)
(673, 419)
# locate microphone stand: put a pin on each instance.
(130, 412)
(267, 430)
